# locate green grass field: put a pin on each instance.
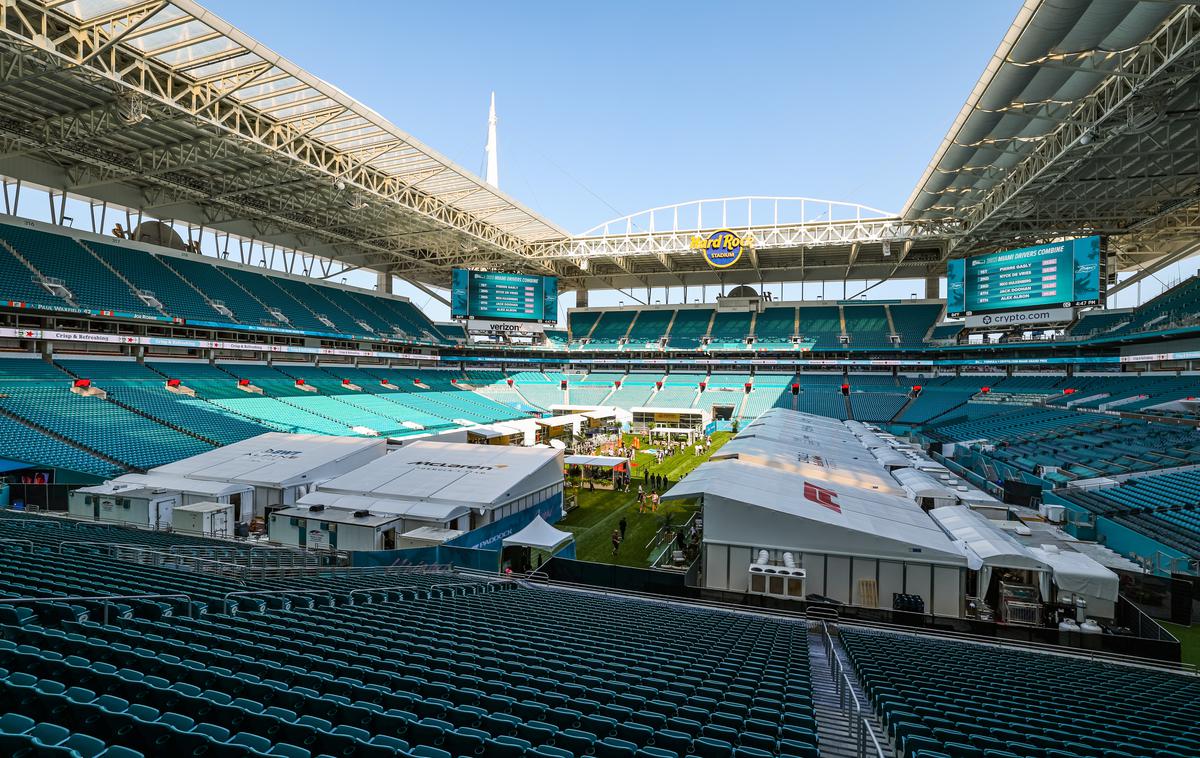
(600, 512)
(1189, 640)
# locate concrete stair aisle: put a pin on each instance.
(839, 726)
(903, 408)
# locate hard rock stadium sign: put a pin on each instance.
(722, 248)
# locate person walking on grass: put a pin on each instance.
(616, 541)
(622, 526)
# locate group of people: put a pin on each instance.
(647, 500)
(672, 448)
(653, 481)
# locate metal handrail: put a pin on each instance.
(16, 540)
(147, 556)
(870, 732)
(858, 725)
(780, 613)
(1036, 647)
(108, 547)
(31, 522)
(74, 598)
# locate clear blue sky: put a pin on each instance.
(610, 108)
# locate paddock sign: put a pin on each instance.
(722, 248)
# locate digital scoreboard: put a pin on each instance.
(1058, 274)
(503, 297)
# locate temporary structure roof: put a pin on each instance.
(538, 534)
(564, 420)
(984, 542)
(206, 507)
(410, 509)
(338, 516)
(276, 459)
(433, 534)
(793, 481)
(856, 467)
(1078, 573)
(921, 484)
(602, 461)
(772, 508)
(452, 473)
(147, 484)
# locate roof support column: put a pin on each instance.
(933, 286)
(383, 283)
(581, 298)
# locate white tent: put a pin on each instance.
(764, 507)
(924, 488)
(988, 547)
(539, 535)
(806, 485)
(1079, 574)
(600, 461)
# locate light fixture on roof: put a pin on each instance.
(131, 108)
(1086, 138)
(339, 184)
(1144, 118)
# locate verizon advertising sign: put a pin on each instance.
(1021, 318)
(492, 326)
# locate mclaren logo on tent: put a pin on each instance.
(458, 466)
(821, 496)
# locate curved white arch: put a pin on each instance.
(743, 211)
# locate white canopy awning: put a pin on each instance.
(602, 461)
(1078, 573)
(538, 534)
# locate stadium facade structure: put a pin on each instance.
(1083, 123)
(123, 356)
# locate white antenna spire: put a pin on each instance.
(493, 162)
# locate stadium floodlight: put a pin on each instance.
(339, 185)
(1086, 138)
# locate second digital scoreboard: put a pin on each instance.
(1058, 274)
(503, 297)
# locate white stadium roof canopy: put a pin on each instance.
(1084, 122)
(164, 106)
